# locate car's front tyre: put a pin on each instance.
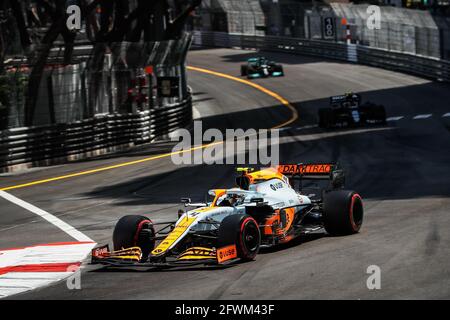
(243, 231)
(278, 68)
(134, 231)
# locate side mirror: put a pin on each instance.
(186, 201)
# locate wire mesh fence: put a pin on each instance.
(115, 78)
(410, 31)
(233, 16)
(403, 30)
(400, 29)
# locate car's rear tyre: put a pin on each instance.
(134, 231)
(243, 231)
(244, 70)
(326, 120)
(343, 212)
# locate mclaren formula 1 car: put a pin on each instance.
(266, 208)
(347, 110)
(261, 68)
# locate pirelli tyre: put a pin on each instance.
(243, 231)
(244, 70)
(134, 231)
(326, 118)
(343, 212)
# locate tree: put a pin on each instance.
(58, 16)
(16, 7)
(108, 22)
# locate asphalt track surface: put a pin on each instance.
(402, 170)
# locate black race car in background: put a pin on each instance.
(261, 67)
(347, 110)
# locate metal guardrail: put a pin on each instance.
(431, 68)
(45, 145)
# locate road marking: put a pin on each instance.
(422, 116)
(311, 126)
(276, 96)
(82, 173)
(71, 231)
(29, 268)
(39, 267)
(446, 115)
(395, 118)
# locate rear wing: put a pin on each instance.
(316, 171)
(344, 98)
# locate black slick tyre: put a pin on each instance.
(134, 231)
(343, 212)
(243, 231)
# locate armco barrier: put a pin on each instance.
(46, 145)
(431, 68)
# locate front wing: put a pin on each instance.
(258, 74)
(132, 257)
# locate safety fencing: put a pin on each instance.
(417, 32)
(431, 68)
(103, 78)
(47, 145)
(112, 97)
(421, 32)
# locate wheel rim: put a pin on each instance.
(250, 236)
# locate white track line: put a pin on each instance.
(422, 116)
(14, 283)
(312, 126)
(446, 115)
(71, 231)
(395, 118)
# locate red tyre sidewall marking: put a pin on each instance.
(139, 228)
(244, 223)
(352, 204)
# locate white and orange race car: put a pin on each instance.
(266, 208)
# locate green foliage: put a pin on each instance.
(5, 90)
(12, 89)
(4, 101)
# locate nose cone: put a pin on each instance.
(207, 211)
(215, 213)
